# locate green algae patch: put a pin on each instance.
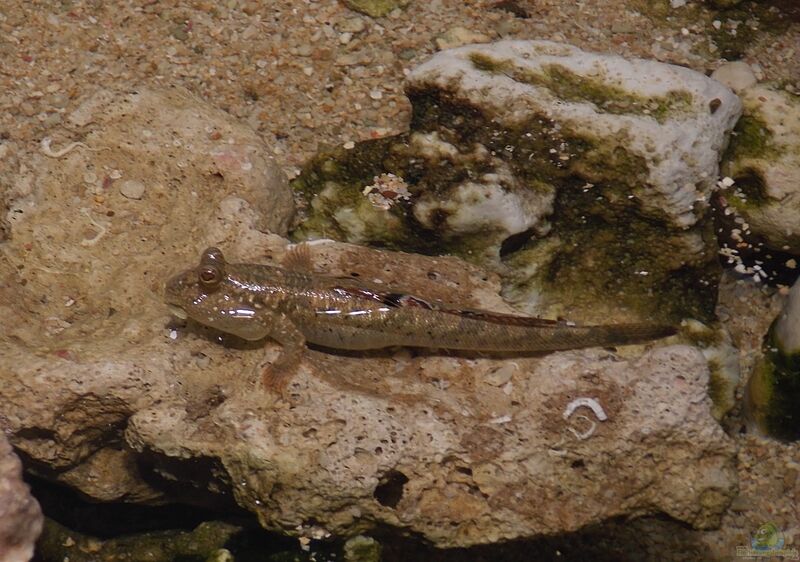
(773, 391)
(334, 205)
(751, 147)
(751, 138)
(212, 541)
(719, 389)
(570, 86)
(605, 250)
(615, 262)
(199, 545)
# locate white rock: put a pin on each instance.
(771, 166)
(678, 129)
(737, 76)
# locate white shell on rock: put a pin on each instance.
(679, 129)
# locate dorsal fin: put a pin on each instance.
(298, 258)
(402, 300)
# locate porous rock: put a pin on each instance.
(97, 379)
(591, 169)
(432, 449)
(83, 266)
(20, 515)
(764, 162)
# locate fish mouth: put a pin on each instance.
(178, 311)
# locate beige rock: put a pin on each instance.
(91, 362)
(20, 515)
(736, 75)
(458, 36)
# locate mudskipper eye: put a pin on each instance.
(209, 276)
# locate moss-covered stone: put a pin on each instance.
(751, 139)
(773, 391)
(594, 218)
(59, 543)
(568, 85)
(614, 256)
(362, 549)
(212, 541)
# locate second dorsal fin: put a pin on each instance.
(298, 258)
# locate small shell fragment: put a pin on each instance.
(591, 403)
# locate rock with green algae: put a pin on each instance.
(203, 543)
(773, 391)
(211, 541)
(376, 8)
(587, 174)
(722, 358)
(763, 159)
(362, 549)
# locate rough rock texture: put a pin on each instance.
(588, 169)
(20, 516)
(82, 272)
(376, 8)
(103, 391)
(662, 116)
(764, 161)
(438, 450)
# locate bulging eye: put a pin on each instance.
(209, 276)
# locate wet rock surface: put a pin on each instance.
(583, 178)
(773, 390)
(765, 165)
(20, 515)
(172, 411)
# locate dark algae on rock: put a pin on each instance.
(573, 214)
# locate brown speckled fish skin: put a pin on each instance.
(255, 301)
(346, 314)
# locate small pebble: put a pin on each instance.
(132, 189)
(352, 25)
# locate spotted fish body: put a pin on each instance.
(255, 301)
